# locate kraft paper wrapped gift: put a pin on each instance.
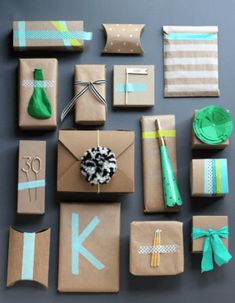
(31, 177)
(49, 35)
(133, 85)
(89, 247)
(27, 85)
(209, 177)
(191, 61)
(152, 178)
(73, 145)
(156, 248)
(28, 256)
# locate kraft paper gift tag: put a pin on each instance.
(31, 177)
(152, 178)
(133, 85)
(191, 61)
(72, 146)
(49, 35)
(156, 248)
(123, 38)
(209, 177)
(28, 256)
(89, 247)
(27, 84)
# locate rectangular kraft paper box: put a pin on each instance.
(205, 222)
(94, 265)
(88, 109)
(141, 238)
(152, 178)
(73, 144)
(31, 173)
(26, 74)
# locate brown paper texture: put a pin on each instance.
(102, 242)
(41, 44)
(41, 256)
(26, 70)
(205, 222)
(73, 144)
(31, 167)
(88, 109)
(142, 234)
(146, 98)
(152, 178)
(123, 38)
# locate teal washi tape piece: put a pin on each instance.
(21, 33)
(214, 176)
(66, 41)
(28, 256)
(207, 177)
(131, 87)
(191, 36)
(31, 184)
(224, 176)
(77, 243)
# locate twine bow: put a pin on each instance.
(88, 85)
(213, 247)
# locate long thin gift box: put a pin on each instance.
(28, 256)
(209, 177)
(152, 178)
(89, 247)
(156, 248)
(50, 35)
(31, 177)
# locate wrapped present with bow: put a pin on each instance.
(90, 95)
(210, 237)
(156, 248)
(50, 35)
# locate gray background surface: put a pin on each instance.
(215, 286)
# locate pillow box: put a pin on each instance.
(209, 177)
(156, 248)
(133, 85)
(89, 247)
(28, 256)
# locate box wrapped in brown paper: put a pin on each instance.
(26, 89)
(89, 247)
(152, 178)
(31, 177)
(150, 258)
(28, 256)
(73, 144)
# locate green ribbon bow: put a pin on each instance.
(213, 246)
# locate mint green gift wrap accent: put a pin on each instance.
(213, 247)
(170, 188)
(39, 104)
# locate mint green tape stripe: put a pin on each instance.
(206, 173)
(66, 41)
(191, 36)
(31, 184)
(54, 35)
(28, 256)
(21, 33)
(214, 176)
(224, 176)
(131, 87)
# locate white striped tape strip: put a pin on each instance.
(191, 88)
(190, 47)
(192, 61)
(163, 249)
(38, 83)
(190, 74)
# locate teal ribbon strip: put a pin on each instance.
(224, 175)
(28, 256)
(31, 184)
(21, 33)
(191, 36)
(213, 247)
(131, 87)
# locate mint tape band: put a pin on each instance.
(28, 256)
(21, 33)
(191, 36)
(131, 87)
(31, 184)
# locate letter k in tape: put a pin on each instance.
(77, 243)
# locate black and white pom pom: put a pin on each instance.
(98, 165)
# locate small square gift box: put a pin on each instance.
(210, 237)
(95, 161)
(209, 177)
(133, 85)
(156, 248)
(89, 247)
(212, 127)
(28, 256)
(49, 35)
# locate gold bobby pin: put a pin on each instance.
(26, 171)
(155, 256)
(36, 171)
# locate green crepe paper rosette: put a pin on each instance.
(213, 124)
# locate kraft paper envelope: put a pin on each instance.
(89, 247)
(74, 143)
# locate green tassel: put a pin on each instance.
(39, 104)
